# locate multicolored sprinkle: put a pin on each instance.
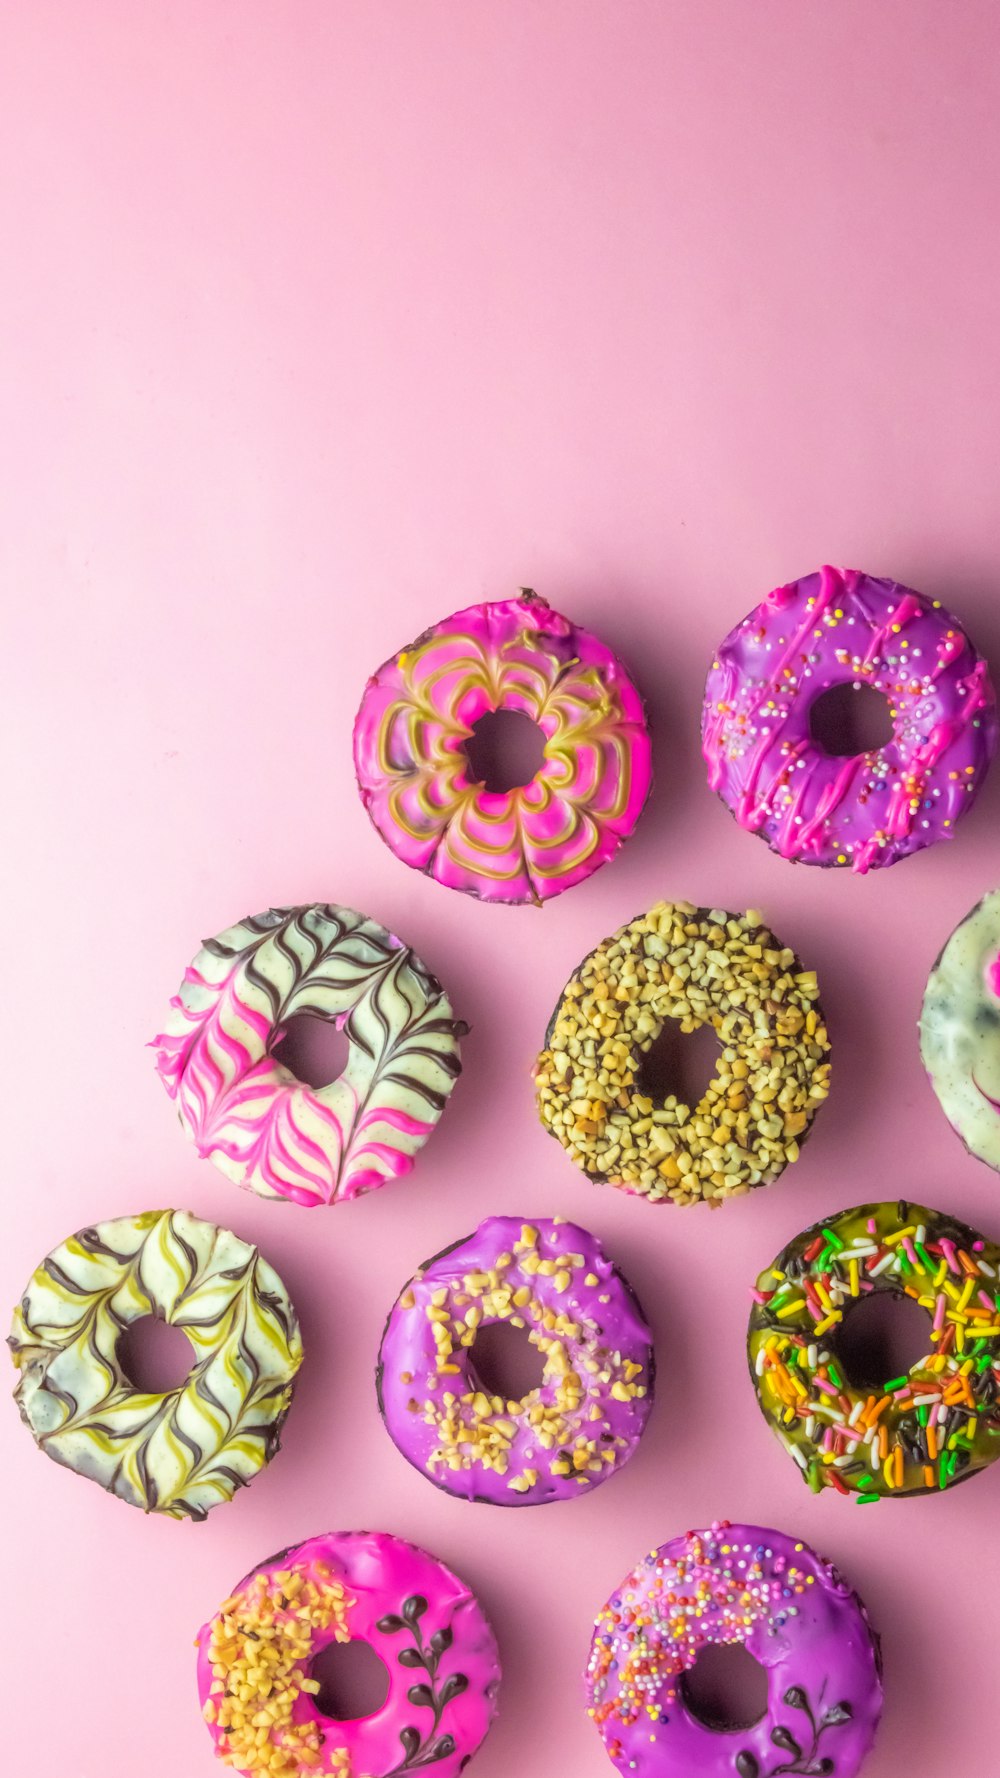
(914, 1434)
(795, 1616)
(868, 810)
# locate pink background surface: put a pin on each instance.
(320, 321)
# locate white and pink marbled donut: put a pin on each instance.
(249, 1114)
(535, 840)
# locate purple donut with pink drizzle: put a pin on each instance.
(218, 1054)
(865, 811)
(586, 1417)
(789, 1609)
(418, 713)
(255, 1656)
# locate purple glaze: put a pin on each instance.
(793, 1613)
(841, 627)
(587, 1415)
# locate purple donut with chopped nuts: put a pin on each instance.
(586, 1417)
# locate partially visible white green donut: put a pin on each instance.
(181, 1452)
(960, 1029)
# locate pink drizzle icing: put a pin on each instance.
(827, 629)
(380, 1574)
(242, 1107)
(419, 710)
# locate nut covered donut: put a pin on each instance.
(793, 1613)
(535, 840)
(960, 1030)
(870, 809)
(586, 1417)
(181, 1451)
(700, 967)
(249, 1114)
(881, 1438)
(255, 1657)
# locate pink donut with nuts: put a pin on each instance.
(533, 841)
(255, 1655)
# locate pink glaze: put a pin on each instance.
(795, 1615)
(248, 1113)
(430, 1631)
(561, 1440)
(828, 629)
(993, 976)
(532, 842)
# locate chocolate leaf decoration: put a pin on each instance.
(442, 1747)
(820, 1768)
(441, 1640)
(410, 1657)
(746, 1765)
(414, 1607)
(784, 1739)
(795, 1698)
(389, 1625)
(421, 1696)
(455, 1683)
(842, 1712)
(410, 1738)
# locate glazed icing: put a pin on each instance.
(419, 709)
(255, 1655)
(248, 1113)
(586, 1417)
(182, 1451)
(790, 1609)
(841, 627)
(960, 1029)
(914, 1434)
(697, 966)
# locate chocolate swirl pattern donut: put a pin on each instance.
(247, 1112)
(531, 842)
(185, 1450)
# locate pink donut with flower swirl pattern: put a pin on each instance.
(531, 842)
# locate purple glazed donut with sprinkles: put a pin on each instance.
(840, 627)
(792, 1612)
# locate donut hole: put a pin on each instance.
(155, 1356)
(314, 1049)
(353, 1680)
(726, 1689)
(505, 750)
(678, 1064)
(882, 1336)
(849, 719)
(505, 1362)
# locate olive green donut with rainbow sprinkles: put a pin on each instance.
(918, 1433)
(179, 1451)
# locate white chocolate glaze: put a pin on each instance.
(960, 1029)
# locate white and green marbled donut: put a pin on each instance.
(960, 1029)
(182, 1452)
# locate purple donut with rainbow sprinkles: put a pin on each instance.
(840, 627)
